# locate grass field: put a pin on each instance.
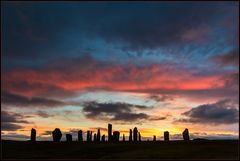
(214, 149)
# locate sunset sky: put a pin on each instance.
(154, 65)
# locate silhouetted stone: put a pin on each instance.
(139, 136)
(154, 137)
(166, 136)
(33, 134)
(185, 135)
(135, 133)
(109, 132)
(88, 136)
(80, 137)
(98, 135)
(57, 135)
(123, 138)
(95, 137)
(116, 135)
(130, 135)
(103, 138)
(69, 137)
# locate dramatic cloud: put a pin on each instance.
(221, 112)
(229, 59)
(75, 74)
(131, 26)
(35, 102)
(10, 126)
(114, 111)
(152, 29)
(10, 121)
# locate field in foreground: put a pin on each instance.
(214, 149)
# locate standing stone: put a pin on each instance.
(123, 138)
(98, 135)
(139, 136)
(154, 137)
(33, 134)
(103, 138)
(88, 136)
(57, 135)
(80, 137)
(95, 138)
(130, 135)
(69, 137)
(135, 133)
(116, 135)
(109, 132)
(166, 136)
(185, 135)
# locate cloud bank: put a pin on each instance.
(221, 112)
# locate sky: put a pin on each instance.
(157, 66)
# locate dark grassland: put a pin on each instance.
(206, 149)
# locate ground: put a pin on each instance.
(203, 149)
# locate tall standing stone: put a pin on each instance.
(109, 132)
(123, 138)
(103, 138)
(166, 136)
(139, 136)
(33, 134)
(80, 137)
(130, 135)
(95, 138)
(116, 135)
(69, 137)
(98, 135)
(154, 137)
(135, 133)
(88, 136)
(185, 135)
(57, 135)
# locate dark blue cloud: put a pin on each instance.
(22, 101)
(43, 31)
(114, 111)
(10, 121)
(221, 112)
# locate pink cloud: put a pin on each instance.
(78, 75)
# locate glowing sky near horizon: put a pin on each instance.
(154, 65)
